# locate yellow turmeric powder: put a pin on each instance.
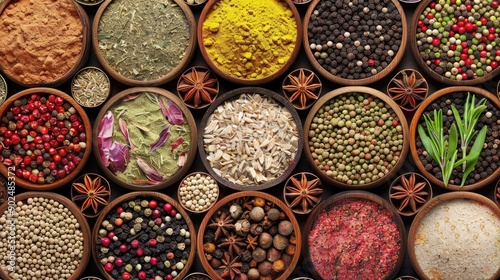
(249, 39)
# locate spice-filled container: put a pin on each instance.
(147, 229)
(357, 43)
(58, 226)
(198, 192)
(45, 119)
(252, 233)
(198, 87)
(48, 49)
(354, 235)
(250, 139)
(90, 87)
(144, 43)
(249, 42)
(355, 138)
(455, 236)
(145, 138)
(449, 111)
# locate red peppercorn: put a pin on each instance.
(464, 76)
(156, 213)
(139, 252)
(371, 62)
(59, 100)
(494, 4)
(494, 64)
(134, 244)
(436, 42)
(105, 242)
(158, 221)
(170, 255)
(118, 261)
(56, 158)
(142, 275)
(167, 207)
(26, 174)
(173, 212)
(152, 242)
(380, 122)
(126, 275)
(153, 204)
(108, 267)
(169, 277)
(153, 261)
(123, 248)
(483, 20)
(326, 167)
(111, 234)
(483, 53)
(491, 36)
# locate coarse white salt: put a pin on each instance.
(459, 239)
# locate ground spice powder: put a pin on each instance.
(249, 39)
(41, 40)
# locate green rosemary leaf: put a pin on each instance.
(458, 120)
(447, 170)
(428, 144)
(452, 141)
(475, 151)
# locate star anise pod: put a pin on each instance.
(93, 193)
(302, 89)
(409, 91)
(410, 193)
(197, 87)
(222, 224)
(303, 193)
(231, 267)
(252, 242)
(233, 243)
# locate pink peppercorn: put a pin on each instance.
(108, 267)
(105, 242)
(134, 243)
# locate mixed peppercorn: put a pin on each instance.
(43, 136)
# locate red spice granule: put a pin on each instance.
(354, 239)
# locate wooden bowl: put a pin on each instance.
(6, 172)
(374, 94)
(496, 194)
(235, 94)
(297, 82)
(339, 199)
(84, 227)
(191, 87)
(233, 78)
(90, 278)
(188, 118)
(197, 275)
(107, 190)
(159, 197)
(480, 93)
(183, 204)
(398, 197)
(89, 3)
(87, 99)
(448, 253)
(4, 91)
(81, 59)
(426, 68)
(301, 193)
(247, 197)
(398, 56)
(406, 277)
(167, 77)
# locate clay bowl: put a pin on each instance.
(127, 79)
(397, 57)
(183, 203)
(254, 184)
(90, 278)
(244, 81)
(247, 199)
(417, 118)
(132, 93)
(346, 91)
(159, 198)
(89, 3)
(414, 28)
(395, 193)
(80, 61)
(344, 200)
(106, 188)
(192, 80)
(88, 131)
(445, 221)
(89, 89)
(84, 227)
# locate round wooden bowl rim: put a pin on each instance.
(91, 68)
(427, 187)
(495, 197)
(356, 194)
(88, 130)
(424, 82)
(427, 70)
(190, 50)
(231, 197)
(197, 273)
(286, 81)
(230, 95)
(188, 118)
(91, 174)
(308, 174)
(82, 56)
(149, 194)
(428, 207)
(249, 82)
(179, 196)
(2, 80)
(90, 4)
(354, 82)
(211, 73)
(84, 227)
(413, 137)
(363, 90)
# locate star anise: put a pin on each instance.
(303, 89)
(231, 267)
(252, 242)
(222, 224)
(93, 192)
(198, 87)
(409, 91)
(303, 193)
(233, 243)
(410, 193)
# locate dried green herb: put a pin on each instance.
(143, 40)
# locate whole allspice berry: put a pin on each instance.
(273, 214)
(242, 227)
(215, 263)
(273, 254)
(257, 214)
(285, 228)
(235, 211)
(241, 276)
(259, 255)
(253, 274)
(280, 242)
(265, 240)
(256, 229)
(265, 268)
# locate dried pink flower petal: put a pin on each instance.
(161, 139)
(151, 173)
(119, 156)
(104, 136)
(124, 130)
(176, 143)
